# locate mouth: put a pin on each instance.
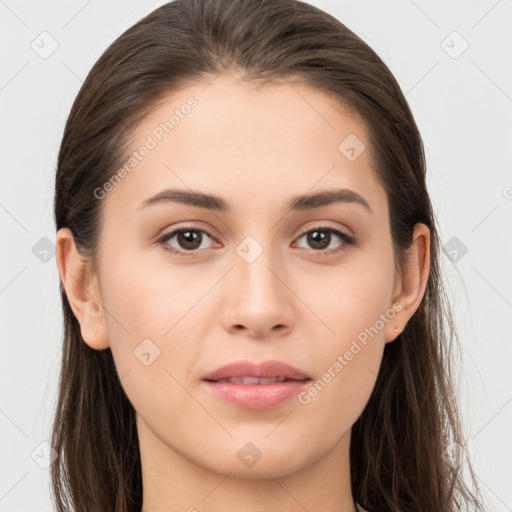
(249, 380)
(250, 385)
(247, 370)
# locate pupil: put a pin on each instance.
(319, 237)
(189, 239)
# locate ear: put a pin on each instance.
(410, 286)
(80, 283)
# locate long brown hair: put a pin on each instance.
(402, 454)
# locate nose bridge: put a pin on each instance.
(256, 267)
(258, 298)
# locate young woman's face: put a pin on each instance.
(254, 281)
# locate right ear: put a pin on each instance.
(80, 283)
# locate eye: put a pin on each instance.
(188, 240)
(320, 239)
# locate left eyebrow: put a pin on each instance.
(297, 203)
(310, 201)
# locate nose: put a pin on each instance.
(258, 299)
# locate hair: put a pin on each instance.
(399, 445)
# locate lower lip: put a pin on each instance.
(257, 396)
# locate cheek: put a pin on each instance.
(356, 308)
(352, 297)
(148, 300)
(156, 317)
(148, 311)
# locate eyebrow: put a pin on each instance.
(296, 203)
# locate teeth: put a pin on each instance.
(253, 380)
(271, 380)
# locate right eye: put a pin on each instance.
(188, 239)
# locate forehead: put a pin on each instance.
(248, 141)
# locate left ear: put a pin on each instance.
(411, 284)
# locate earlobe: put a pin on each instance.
(413, 281)
(80, 284)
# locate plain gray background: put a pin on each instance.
(462, 101)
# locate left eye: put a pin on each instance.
(320, 239)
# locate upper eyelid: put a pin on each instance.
(326, 227)
(319, 225)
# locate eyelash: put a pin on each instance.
(348, 240)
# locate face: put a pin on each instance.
(188, 287)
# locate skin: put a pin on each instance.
(255, 147)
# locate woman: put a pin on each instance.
(249, 261)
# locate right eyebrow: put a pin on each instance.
(192, 198)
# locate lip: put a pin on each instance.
(266, 369)
(256, 396)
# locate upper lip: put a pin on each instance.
(265, 369)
